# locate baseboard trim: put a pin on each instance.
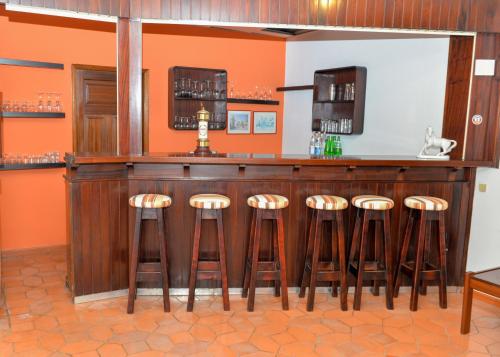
(28, 251)
(232, 291)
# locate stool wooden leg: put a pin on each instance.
(222, 260)
(353, 251)
(335, 255)
(388, 262)
(163, 259)
(281, 248)
(248, 260)
(442, 263)
(427, 253)
(277, 282)
(255, 260)
(134, 257)
(194, 260)
(306, 275)
(466, 305)
(404, 252)
(418, 262)
(342, 258)
(361, 263)
(378, 256)
(314, 261)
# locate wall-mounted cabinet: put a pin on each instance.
(189, 88)
(339, 100)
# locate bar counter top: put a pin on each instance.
(265, 159)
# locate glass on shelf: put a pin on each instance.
(6, 106)
(49, 102)
(58, 104)
(194, 91)
(40, 107)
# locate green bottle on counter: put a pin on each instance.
(339, 146)
(329, 146)
(334, 146)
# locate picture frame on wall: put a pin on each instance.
(238, 122)
(264, 123)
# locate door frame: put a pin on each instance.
(145, 101)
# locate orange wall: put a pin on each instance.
(32, 203)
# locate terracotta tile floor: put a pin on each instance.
(44, 322)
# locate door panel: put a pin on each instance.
(100, 133)
(95, 122)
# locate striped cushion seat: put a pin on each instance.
(325, 202)
(379, 203)
(426, 203)
(209, 201)
(150, 200)
(268, 201)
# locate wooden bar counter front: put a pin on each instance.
(100, 221)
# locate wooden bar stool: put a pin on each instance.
(372, 209)
(266, 207)
(325, 209)
(148, 206)
(425, 209)
(208, 207)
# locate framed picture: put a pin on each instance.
(238, 122)
(264, 122)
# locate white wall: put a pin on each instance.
(484, 245)
(405, 91)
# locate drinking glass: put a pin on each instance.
(257, 93)
(194, 91)
(270, 94)
(176, 89)
(203, 91)
(49, 102)
(209, 94)
(40, 106)
(6, 107)
(347, 92)
(15, 106)
(231, 91)
(24, 107)
(182, 88)
(57, 105)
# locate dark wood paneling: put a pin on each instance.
(457, 91)
(470, 15)
(483, 140)
(129, 33)
(100, 217)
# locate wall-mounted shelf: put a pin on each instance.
(25, 63)
(253, 101)
(182, 109)
(291, 88)
(344, 113)
(49, 165)
(32, 115)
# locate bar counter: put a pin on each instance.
(100, 222)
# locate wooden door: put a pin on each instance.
(95, 113)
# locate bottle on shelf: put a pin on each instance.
(317, 144)
(312, 145)
(332, 92)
